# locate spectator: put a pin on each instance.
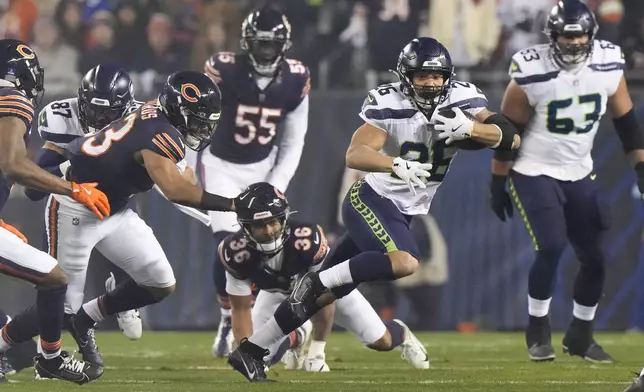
(55, 57)
(523, 22)
(101, 43)
(160, 57)
(468, 28)
(68, 16)
(132, 18)
(18, 19)
(211, 41)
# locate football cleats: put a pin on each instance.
(19, 66)
(262, 212)
(266, 36)
(425, 55)
(106, 92)
(192, 102)
(571, 18)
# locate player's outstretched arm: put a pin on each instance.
(177, 188)
(628, 129)
(17, 167)
(364, 151)
(49, 157)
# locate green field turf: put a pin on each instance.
(181, 362)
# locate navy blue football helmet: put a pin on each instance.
(266, 36)
(19, 66)
(425, 54)
(192, 103)
(262, 205)
(571, 18)
(106, 92)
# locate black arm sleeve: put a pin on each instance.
(629, 133)
(508, 131)
(215, 203)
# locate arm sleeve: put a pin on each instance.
(291, 146)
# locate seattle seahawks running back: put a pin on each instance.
(406, 139)
(262, 130)
(270, 252)
(558, 93)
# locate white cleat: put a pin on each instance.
(316, 364)
(413, 350)
(293, 359)
(223, 343)
(130, 321)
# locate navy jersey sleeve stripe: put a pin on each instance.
(163, 150)
(470, 103)
(57, 137)
(536, 78)
(387, 114)
(608, 67)
(11, 112)
(178, 151)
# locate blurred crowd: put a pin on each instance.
(346, 43)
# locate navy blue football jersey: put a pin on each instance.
(250, 116)
(14, 103)
(305, 247)
(110, 157)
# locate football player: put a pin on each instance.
(557, 94)
(21, 88)
(128, 157)
(262, 91)
(271, 251)
(104, 96)
(412, 131)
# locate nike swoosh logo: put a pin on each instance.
(251, 375)
(316, 241)
(226, 257)
(456, 129)
(593, 176)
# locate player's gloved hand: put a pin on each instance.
(411, 172)
(316, 364)
(13, 231)
(452, 125)
(500, 200)
(92, 198)
(639, 169)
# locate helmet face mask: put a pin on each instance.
(567, 25)
(105, 94)
(425, 58)
(192, 103)
(263, 213)
(266, 36)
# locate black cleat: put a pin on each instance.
(3, 379)
(537, 337)
(579, 341)
(637, 385)
(65, 367)
(86, 343)
(248, 359)
(306, 291)
(5, 367)
(21, 356)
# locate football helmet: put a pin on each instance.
(262, 212)
(266, 36)
(105, 93)
(425, 54)
(571, 18)
(192, 102)
(19, 67)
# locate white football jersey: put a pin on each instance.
(411, 137)
(567, 108)
(58, 122)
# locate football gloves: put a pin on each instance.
(411, 172)
(452, 125)
(92, 198)
(500, 200)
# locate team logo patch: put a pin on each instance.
(190, 92)
(514, 67)
(26, 52)
(75, 221)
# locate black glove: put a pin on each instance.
(639, 169)
(500, 200)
